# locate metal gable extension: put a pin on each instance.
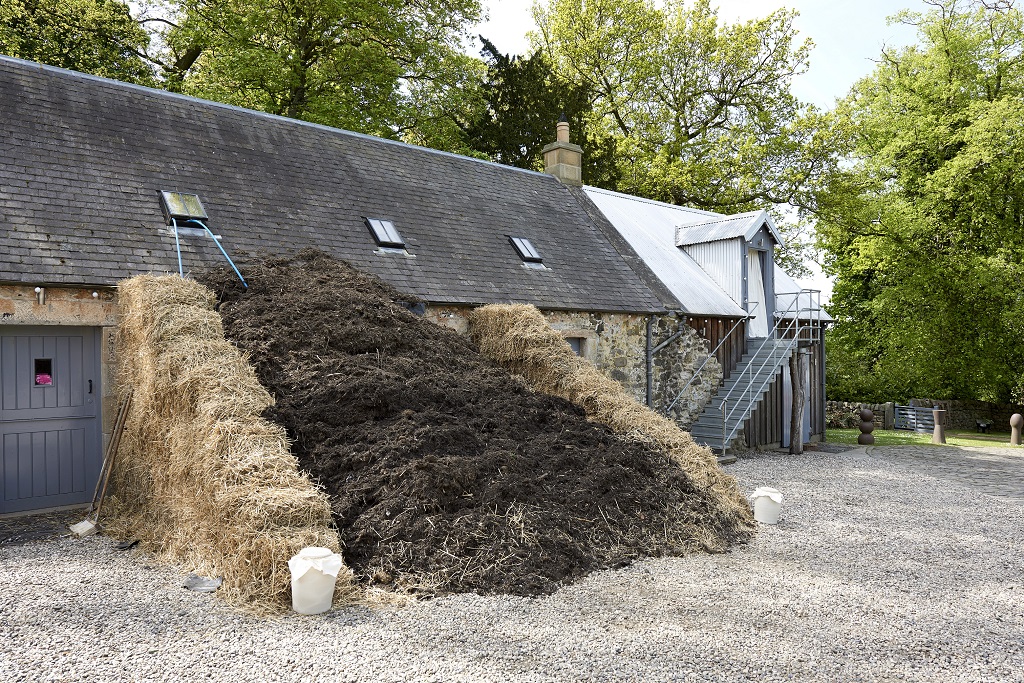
(745, 225)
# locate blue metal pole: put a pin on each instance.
(215, 241)
(177, 245)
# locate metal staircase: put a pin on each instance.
(725, 413)
(727, 410)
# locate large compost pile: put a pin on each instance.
(445, 472)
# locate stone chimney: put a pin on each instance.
(563, 159)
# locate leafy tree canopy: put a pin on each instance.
(925, 232)
(383, 67)
(93, 36)
(701, 111)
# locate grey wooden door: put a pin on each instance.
(50, 440)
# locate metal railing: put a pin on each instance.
(913, 418)
(747, 390)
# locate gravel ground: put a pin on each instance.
(877, 571)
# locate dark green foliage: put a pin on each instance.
(523, 101)
(926, 233)
(97, 37)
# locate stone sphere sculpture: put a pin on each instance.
(1016, 422)
(867, 425)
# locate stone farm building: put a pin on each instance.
(645, 290)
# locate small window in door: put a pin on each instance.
(43, 372)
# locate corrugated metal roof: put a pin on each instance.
(785, 286)
(743, 225)
(650, 229)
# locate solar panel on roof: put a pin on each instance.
(526, 250)
(385, 233)
(182, 206)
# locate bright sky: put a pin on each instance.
(847, 37)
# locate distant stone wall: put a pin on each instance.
(963, 415)
(966, 414)
(617, 342)
(845, 415)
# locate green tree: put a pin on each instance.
(522, 101)
(701, 111)
(98, 37)
(381, 67)
(925, 233)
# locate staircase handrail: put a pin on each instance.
(811, 294)
(710, 355)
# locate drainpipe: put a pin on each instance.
(824, 399)
(650, 361)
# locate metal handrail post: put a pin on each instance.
(725, 444)
(177, 247)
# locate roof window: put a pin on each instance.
(180, 206)
(385, 233)
(531, 257)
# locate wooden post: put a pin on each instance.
(798, 364)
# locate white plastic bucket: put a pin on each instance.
(314, 572)
(767, 505)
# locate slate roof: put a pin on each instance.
(743, 225)
(83, 158)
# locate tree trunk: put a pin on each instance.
(798, 363)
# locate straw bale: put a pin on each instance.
(518, 337)
(201, 478)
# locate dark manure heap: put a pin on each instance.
(445, 473)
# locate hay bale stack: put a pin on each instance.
(201, 479)
(518, 337)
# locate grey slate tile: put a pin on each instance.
(83, 159)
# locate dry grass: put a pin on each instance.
(201, 479)
(518, 337)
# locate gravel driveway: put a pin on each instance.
(877, 571)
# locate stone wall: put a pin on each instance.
(966, 414)
(616, 343)
(961, 415)
(674, 367)
(80, 307)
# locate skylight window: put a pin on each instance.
(385, 233)
(180, 206)
(526, 250)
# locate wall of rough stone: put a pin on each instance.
(846, 415)
(963, 415)
(674, 367)
(616, 343)
(19, 305)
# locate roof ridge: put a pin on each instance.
(722, 219)
(601, 190)
(68, 73)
